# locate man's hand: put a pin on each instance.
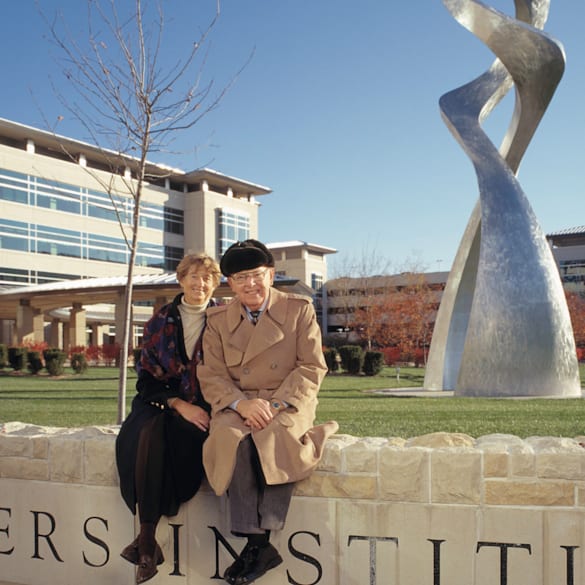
(256, 412)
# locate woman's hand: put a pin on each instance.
(256, 412)
(192, 413)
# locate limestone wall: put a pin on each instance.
(441, 509)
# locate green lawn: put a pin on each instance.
(91, 399)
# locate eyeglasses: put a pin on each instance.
(243, 277)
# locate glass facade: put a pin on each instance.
(81, 202)
(174, 220)
(40, 239)
(316, 282)
(47, 194)
(22, 277)
(233, 226)
(572, 271)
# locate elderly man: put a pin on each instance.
(262, 368)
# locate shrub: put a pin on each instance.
(93, 353)
(35, 345)
(3, 355)
(16, 358)
(78, 362)
(111, 353)
(334, 340)
(373, 363)
(35, 363)
(419, 357)
(352, 358)
(391, 355)
(76, 349)
(331, 359)
(54, 361)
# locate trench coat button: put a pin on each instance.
(273, 366)
(246, 370)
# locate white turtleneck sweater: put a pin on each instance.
(193, 317)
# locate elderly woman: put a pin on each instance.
(158, 449)
(261, 373)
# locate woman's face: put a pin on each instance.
(197, 285)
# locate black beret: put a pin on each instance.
(245, 255)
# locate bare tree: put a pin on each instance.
(132, 105)
(355, 283)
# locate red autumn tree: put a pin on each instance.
(576, 304)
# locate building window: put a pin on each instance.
(14, 235)
(106, 249)
(48, 194)
(14, 276)
(152, 216)
(316, 282)
(233, 227)
(100, 206)
(58, 242)
(57, 196)
(173, 256)
(151, 255)
(13, 187)
(174, 220)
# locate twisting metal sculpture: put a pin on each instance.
(503, 327)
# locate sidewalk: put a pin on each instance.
(418, 392)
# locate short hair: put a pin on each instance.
(201, 261)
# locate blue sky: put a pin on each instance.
(337, 112)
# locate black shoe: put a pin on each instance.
(131, 554)
(146, 568)
(236, 567)
(255, 562)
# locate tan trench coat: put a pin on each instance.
(279, 358)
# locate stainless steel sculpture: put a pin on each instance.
(503, 327)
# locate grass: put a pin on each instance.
(366, 414)
(91, 399)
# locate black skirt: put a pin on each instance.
(159, 460)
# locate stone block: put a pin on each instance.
(522, 461)
(24, 468)
(529, 493)
(495, 464)
(15, 446)
(580, 494)
(362, 456)
(451, 533)
(495, 449)
(456, 476)
(517, 534)
(100, 462)
(564, 542)
(40, 447)
(560, 464)
(326, 485)
(66, 460)
(441, 440)
(404, 474)
(332, 454)
(369, 541)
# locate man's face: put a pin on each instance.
(252, 286)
